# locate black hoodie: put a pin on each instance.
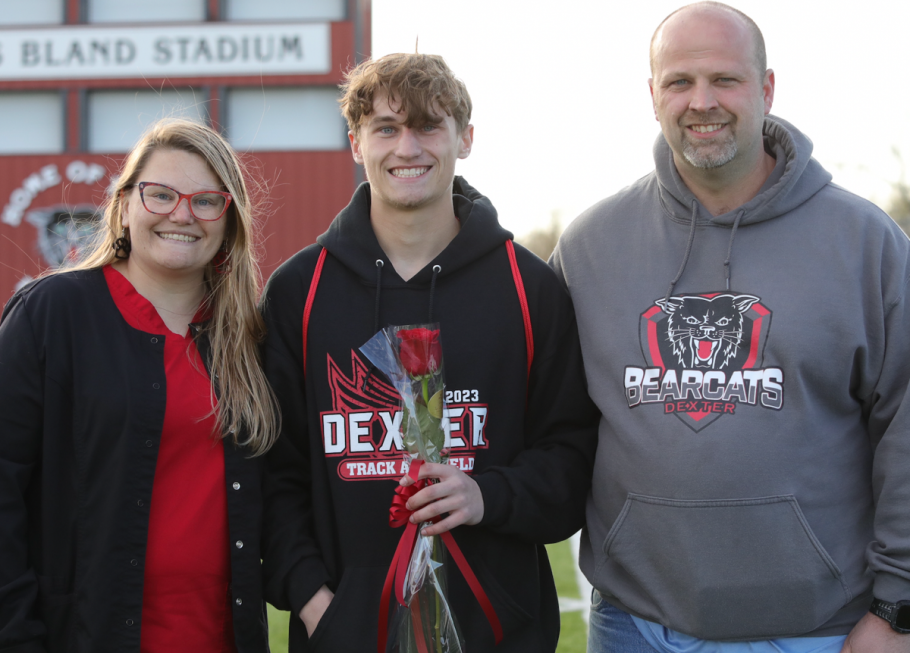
(527, 440)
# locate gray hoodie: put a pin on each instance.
(752, 478)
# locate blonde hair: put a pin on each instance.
(245, 400)
(419, 83)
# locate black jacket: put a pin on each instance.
(530, 440)
(82, 400)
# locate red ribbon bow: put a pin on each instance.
(399, 515)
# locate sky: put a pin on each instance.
(562, 112)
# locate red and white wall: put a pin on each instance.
(81, 79)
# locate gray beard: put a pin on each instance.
(709, 156)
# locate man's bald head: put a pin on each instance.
(758, 41)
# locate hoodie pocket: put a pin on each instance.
(727, 569)
(350, 622)
(511, 615)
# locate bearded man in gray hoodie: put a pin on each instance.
(745, 325)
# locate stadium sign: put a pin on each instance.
(160, 51)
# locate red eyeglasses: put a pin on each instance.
(205, 205)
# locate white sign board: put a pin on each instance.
(201, 50)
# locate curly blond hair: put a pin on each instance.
(419, 84)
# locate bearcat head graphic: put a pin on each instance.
(706, 332)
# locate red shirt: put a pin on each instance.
(186, 592)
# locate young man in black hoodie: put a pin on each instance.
(417, 244)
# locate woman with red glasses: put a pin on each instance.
(132, 412)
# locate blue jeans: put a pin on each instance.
(612, 631)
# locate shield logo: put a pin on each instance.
(711, 335)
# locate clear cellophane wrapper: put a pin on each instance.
(427, 624)
(411, 357)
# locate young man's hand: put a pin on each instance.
(874, 635)
(311, 613)
(455, 493)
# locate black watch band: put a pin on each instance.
(896, 614)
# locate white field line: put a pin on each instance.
(574, 605)
(584, 587)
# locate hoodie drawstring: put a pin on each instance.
(379, 266)
(436, 270)
(739, 216)
(688, 251)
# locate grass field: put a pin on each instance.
(572, 638)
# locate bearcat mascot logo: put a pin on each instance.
(704, 355)
(706, 332)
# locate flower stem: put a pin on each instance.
(437, 551)
(425, 386)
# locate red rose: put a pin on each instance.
(420, 351)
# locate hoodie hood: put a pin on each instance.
(796, 178)
(351, 239)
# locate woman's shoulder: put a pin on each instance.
(62, 289)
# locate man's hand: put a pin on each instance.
(456, 493)
(874, 635)
(311, 613)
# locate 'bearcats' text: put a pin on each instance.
(653, 385)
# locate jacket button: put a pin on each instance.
(130, 622)
(140, 503)
(238, 601)
(239, 544)
(134, 562)
(236, 485)
(148, 443)
(156, 386)
(154, 341)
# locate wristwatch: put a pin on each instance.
(896, 614)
